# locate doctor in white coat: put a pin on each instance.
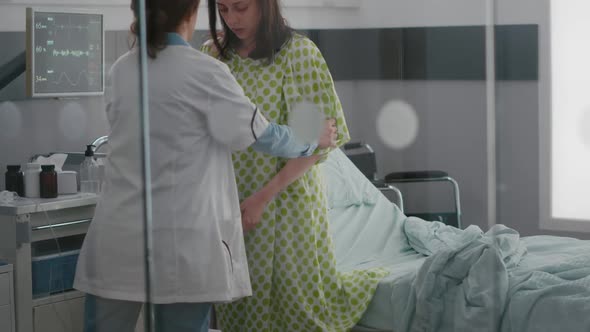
(198, 115)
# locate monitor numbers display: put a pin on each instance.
(67, 53)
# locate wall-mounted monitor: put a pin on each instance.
(65, 53)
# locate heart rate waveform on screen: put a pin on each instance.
(63, 78)
(68, 53)
(73, 53)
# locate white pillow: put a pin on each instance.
(345, 184)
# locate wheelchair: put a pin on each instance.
(364, 158)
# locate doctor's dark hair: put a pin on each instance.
(273, 31)
(162, 16)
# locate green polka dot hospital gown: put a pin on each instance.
(295, 284)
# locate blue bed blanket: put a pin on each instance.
(475, 281)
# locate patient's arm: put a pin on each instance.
(253, 206)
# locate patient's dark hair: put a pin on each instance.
(162, 16)
(272, 33)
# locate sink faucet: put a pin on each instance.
(100, 142)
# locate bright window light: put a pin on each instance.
(570, 111)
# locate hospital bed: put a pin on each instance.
(542, 283)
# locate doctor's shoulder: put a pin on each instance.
(128, 56)
(209, 64)
(206, 70)
(123, 64)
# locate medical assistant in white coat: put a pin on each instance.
(198, 115)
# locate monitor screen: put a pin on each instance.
(65, 53)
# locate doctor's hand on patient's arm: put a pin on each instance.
(329, 135)
(252, 209)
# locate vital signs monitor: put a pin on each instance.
(65, 53)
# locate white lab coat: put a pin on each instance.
(198, 114)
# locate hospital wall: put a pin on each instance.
(451, 113)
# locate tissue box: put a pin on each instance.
(66, 182)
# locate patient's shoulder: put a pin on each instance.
(210, 48)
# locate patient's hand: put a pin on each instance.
(214, 51)
(329, 135)
(252, 209)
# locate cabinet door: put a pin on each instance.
(65, 316)
(5, 319)
(4, 289)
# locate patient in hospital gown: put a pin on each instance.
(295, 284)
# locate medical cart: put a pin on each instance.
(40, 238)
(6, 298)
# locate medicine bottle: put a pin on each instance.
(32, 182)
(89, 173)
(48, 181)
(14, 179)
